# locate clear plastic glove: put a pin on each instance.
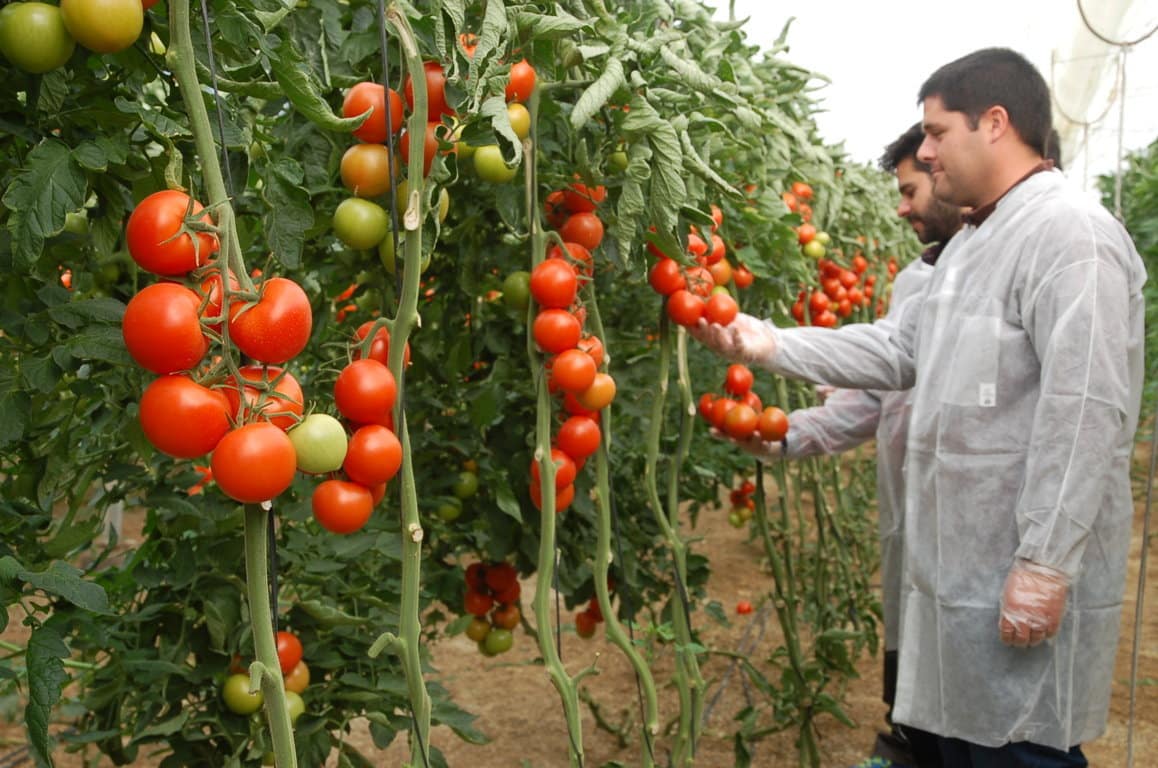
(1032, 604)
(757, 446)
(746, 339)
(823, 391)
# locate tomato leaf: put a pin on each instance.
(46, 678)
(506, 501)
(14, 409)
(458, 720)
(77, 314)
(303, 91)
(40, 196)
(99, 342)
(598, 93)
(543, 27)
(289, 215)
(667, 188)
(495, 108)
(64, 580)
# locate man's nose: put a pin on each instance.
(904, 208)
(927, 152)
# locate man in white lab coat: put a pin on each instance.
(1026, 358)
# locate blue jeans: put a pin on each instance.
(961, 754)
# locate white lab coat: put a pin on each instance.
(850, 417)
(1026, 355)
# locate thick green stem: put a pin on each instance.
(410, 625)
(266, 668)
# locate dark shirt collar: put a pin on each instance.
(978, 216)
(930, 254)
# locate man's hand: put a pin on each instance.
(764, 450)
(1032, 604)
(745, 340)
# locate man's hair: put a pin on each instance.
(995, 77)
(905, 148)
(1053, 148)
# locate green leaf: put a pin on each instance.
(65, 581)
(47, 188)
(303, 91)
(77, 314)
(166, 727)
(40, 373)
(689, 73)
(458, 720)
(694, 163)
(46, 679)
(14, 409)
(290, 214)
(507, 503)
(99, 342)
(328, 616)
(598, 93)
(544, 27)
(632, 204)
(495, 108)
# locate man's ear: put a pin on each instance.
(995, 122)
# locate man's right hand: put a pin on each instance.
(746, 339)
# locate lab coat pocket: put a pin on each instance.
(976, 354)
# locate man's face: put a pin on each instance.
(955, 152)
(932, 220)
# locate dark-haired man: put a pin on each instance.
(1026, 357)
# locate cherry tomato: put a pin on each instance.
(740, 422)
(151, 234)
(585, 624)
(666, 277)
(506, 617)
(721, 309)
(478, 603)
(380, 345)
(554, 284)
(593, 347)
(773, 424)
(805, 233)
(182, 418)
(685, 308)
(801, 190)
(580, 198)
(162, 328)
(254, 462)
(289, 651)
(478, 629)
(276, 328)
(498, 641)
(555, 209)
(563, 497)
(364, 96)
(738, 380)
(500, 577)
(600, 394)
(564, 475)
(743, 276)
(340, 506)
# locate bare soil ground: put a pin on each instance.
(520, 711)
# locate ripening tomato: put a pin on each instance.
(469, 42)
(490, 165)
(182, 418)
(599, 394)
(522, 81)
(805, 234)
(565, 471)
(365, 169)
(289, 651)
(34, 38)
(773, 424)
(374, 455)
(583, 228)
(152, 239)
(721, 272)
(436, 105)
(506, 617)
(740, 422)
(367, 95)
(666, 277)
(520, 119)
(298, 678)
(361, 224)
(556, 330)
(277, 327)
(685, 308)
(277, 399)
(580, 198)
(721, 309)
(238, 699)
(801, 190)
(554, 284)
(103, 26)
(341, 506)
(739, 379)
(365, 391)
(162, 328)
(717, 217)
(573, 370)
(254, 463)
(498, 641)
(579, 437)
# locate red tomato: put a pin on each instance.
(599, 394)
(436, 105)
(583, 228)
(740, 421)
(429, 147)
(750, 398)
(805, 234)
(696, 245)
(182, 418)
(580, 198)
(478, 603)
(738, 380)
(563, 498)
(564, 474)
(577, 256)
(718, 251)
(276, 328)
(555, 209)
(475, 577)
(380, 346)
(365, 391)
(585, 624)
(279, 404)
(579, 437)
(743, 607)
(700, 281)
(790, 201)
(162, 328)
(826, 319)
(506, 617)
(341, 506)
(593, 347)
(556, 330)
(510, 595)
(773, 424)
(743, 276)
(685, 308)
(254, 462)
(365, 169)
(374, 455)
(500, 577)
(151, 234)
(721, 309)
(554, 284)
(801, 190)
(666, 277)
(289, 651)
(522, 81)
(859, 264)
(212, 295)
(817, 303)
(720, 410)
(573, 370)
(707, 400)
(364, 96)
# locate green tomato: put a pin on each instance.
(237, 697)
(466, 485)
(360, 223)
(735, 520)
(498, 641)
(617, 162)
(104, 26)
(814, 249)
(823, 238)
(449, 510)
(520, 118)
(490, 165)
(386, 253)
(320, 442)
(517, 290)
(76, 222)
(295, 704)
(482, 648)
(34, 38)
(443, 204)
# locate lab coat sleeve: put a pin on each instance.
(848, 418)
(876, 355)
(1078, 317)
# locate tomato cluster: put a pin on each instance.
(238, 698)
(492, 588)
(739, 413)
(840, 293)
(38, 37)
(742, 504)
(700, 291)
